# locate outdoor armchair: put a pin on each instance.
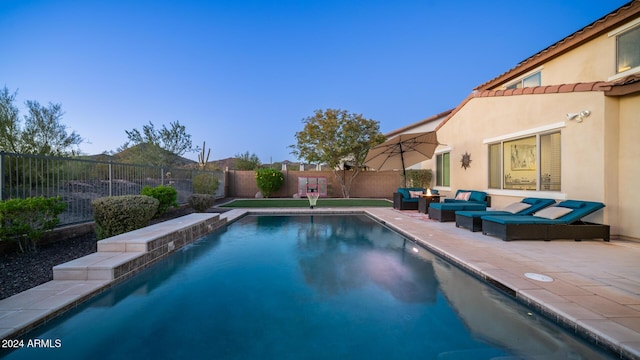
(407, 198)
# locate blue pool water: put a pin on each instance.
(303, 287)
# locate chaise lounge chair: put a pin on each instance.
(446, 211)
(562, 221)
(472, 220)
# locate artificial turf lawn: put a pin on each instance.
(275, 203)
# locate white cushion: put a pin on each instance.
(553, 212)
(516, 207)
(463, 196)
(415, 194)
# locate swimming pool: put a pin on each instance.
(303, 287)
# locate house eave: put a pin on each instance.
(601, 26)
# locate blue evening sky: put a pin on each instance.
(242, 74)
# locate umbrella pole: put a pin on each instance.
(404, 171)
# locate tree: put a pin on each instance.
(45, 135)
(247, 162)
(42, 133)
(337, 137)
(158, 146)
(9, 122)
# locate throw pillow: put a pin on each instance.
(415, 194)
(463, 196)
(553, 212)
(516, 207)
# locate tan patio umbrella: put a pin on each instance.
(402, 151)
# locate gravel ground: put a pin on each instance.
(22, 271)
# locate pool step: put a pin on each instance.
(96, 266)
(125, 254)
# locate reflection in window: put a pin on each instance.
(529, 81)
(628, 45)
(550, 162)
(531, 163)
(520, 163)
(442, 169)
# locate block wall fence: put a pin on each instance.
(367, 184)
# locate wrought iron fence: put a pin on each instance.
(79, 181)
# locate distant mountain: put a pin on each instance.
(135, 155)
(130, 155)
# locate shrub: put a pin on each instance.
(25, 220)
(116, 215)
(166, 195)
(201, 202)
(269, 181)
(205, 184)
(419, 178)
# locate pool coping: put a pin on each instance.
(593, 310)
(602, 309)
(116, 260)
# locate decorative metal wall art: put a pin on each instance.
(466, 160)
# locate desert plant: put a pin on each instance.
(205, 184)
(25, 220)
(202, 159)
(269, 181)
(115, 215)
(201, 202)
(166, 195)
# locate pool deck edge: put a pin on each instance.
(80, 279)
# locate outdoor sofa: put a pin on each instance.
(446, 211)
(472, 220)
(407, 198)
(562, 221)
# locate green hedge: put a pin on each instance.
(205, 184)
(269, 181)
(25, 220)
(419, 178)
(166, 195)
(201, 202)
(116, 215)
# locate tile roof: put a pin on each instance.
(614, 19)
(620, 87)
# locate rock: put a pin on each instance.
(259, 195)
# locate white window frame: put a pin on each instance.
(538, 131)
(614, 33)
(521, 79)
(441, 152)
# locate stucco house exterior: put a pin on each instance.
(562, 124)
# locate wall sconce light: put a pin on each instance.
(578, 117)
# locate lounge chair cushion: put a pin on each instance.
(573, 204)
(405, 193)
(478, 196)
(415, 194)
(533, 201)
(463, 196)
(580, 210)
(475, 196)
(516, 207)
(553, 212)
(536, 204)
(459, 206)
